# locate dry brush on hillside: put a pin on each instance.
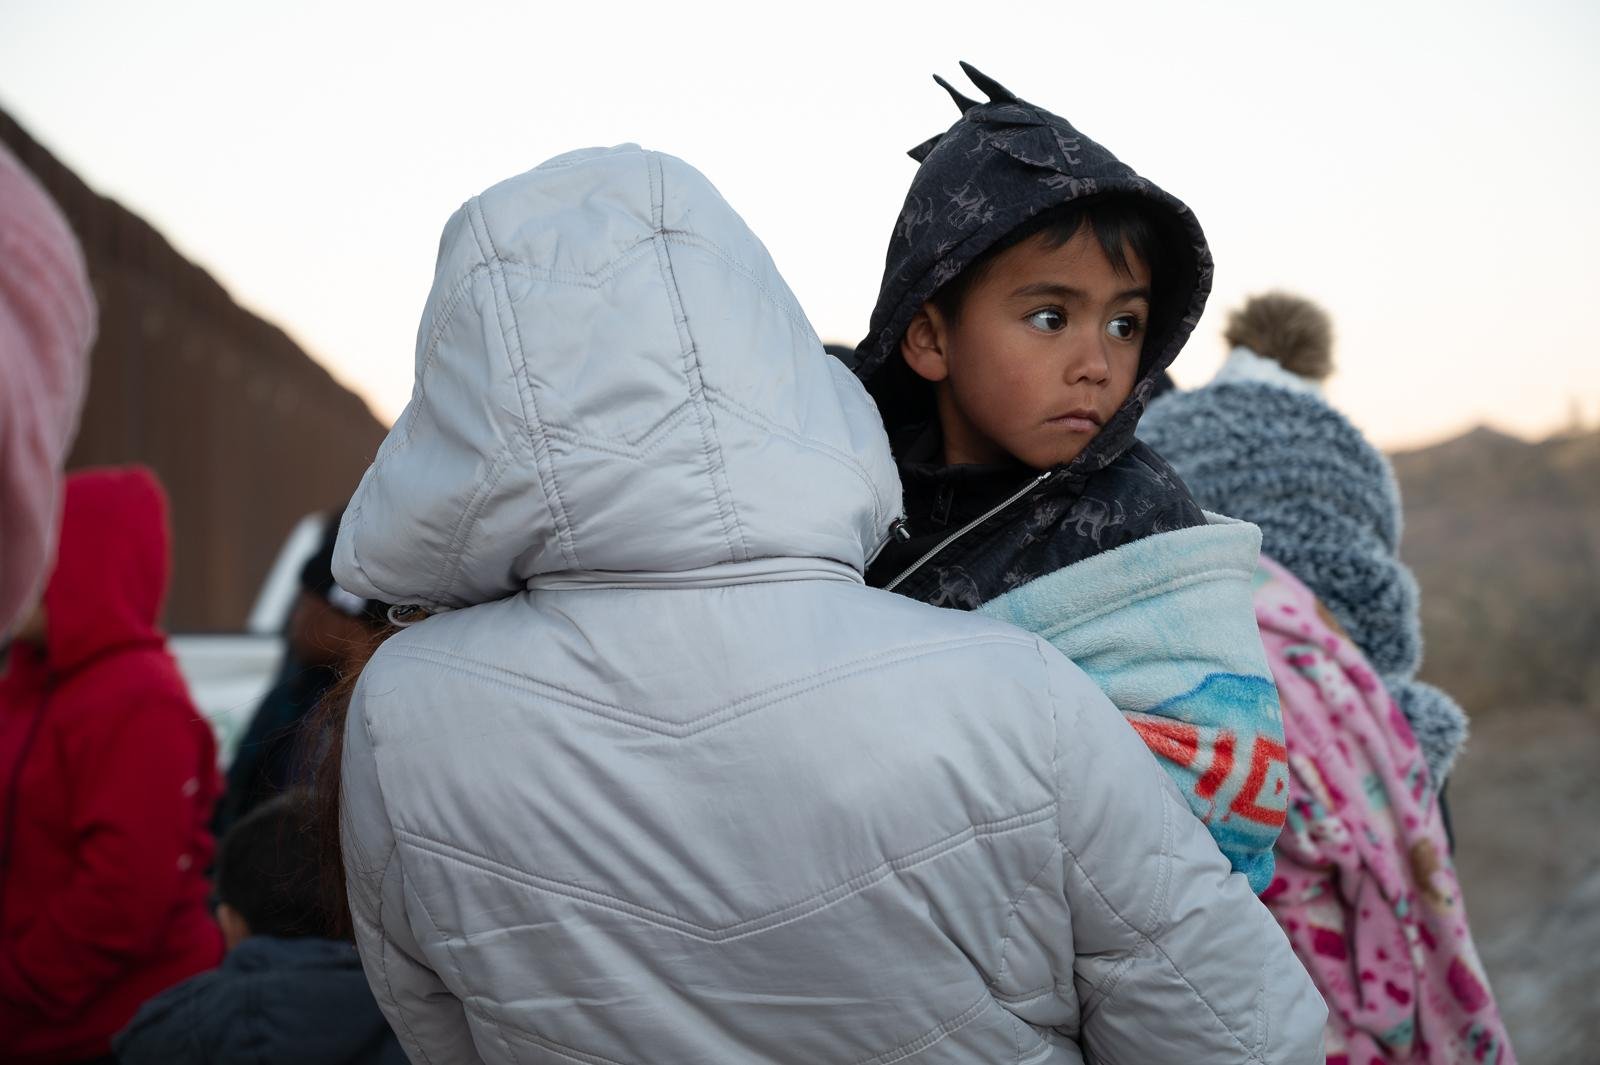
(1504, 537)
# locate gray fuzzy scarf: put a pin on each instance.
(1329, 512)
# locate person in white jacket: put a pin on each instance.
(660, 779)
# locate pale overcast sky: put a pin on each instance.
(1426, 170)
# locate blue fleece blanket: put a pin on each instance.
(1166, 627)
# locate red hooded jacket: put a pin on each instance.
(108, 776)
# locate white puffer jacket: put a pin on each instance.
(675, 786)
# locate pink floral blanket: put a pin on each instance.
(1364, 885)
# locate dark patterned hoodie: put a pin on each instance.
(1164, 624)
(1000, 165)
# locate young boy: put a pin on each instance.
(283, 993)
(1036, 289)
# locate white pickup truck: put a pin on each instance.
(228, 673)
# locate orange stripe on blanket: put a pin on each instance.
(1221, 766)
(1263, 757)
(1172, 740)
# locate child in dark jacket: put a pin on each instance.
(330, 633)
(284, 993)
(1035, 291)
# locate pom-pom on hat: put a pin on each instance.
(1288, 329)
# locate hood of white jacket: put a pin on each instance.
(612, 376)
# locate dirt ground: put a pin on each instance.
(1525, 800)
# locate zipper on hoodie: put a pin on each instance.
(968, 527)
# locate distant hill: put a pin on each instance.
(1504, 536)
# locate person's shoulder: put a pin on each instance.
(1146, 495)
(134, 685)
(300, 956)
(888, 619)
(1143, 460)
(290, 970)
(1143, 466)
(184, 1023)
(958, 647)
(949, 654)
(146, 663)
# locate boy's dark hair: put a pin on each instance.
(1120, 224)
(267, 869)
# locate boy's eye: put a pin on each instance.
(1048, 320)
(1123, 327)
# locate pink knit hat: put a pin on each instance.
(47, 324)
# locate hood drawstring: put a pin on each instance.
(405, 615)
(898, 530)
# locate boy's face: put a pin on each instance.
(1044, 352)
